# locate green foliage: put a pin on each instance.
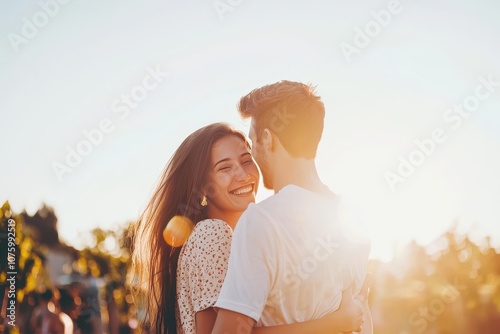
(26, 257)
(449, 286)
(19, 260)
(107, 258)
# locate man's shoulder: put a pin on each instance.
(274, 202)
(293, 197)
(265, 211)
(256, 220)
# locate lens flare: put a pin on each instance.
(178, 230)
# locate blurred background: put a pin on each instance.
(95, 97)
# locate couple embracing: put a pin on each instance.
(284, 265)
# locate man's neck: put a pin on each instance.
(299, 172)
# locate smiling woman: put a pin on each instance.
(232, 181)
(188, 179)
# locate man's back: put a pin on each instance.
(290, 260)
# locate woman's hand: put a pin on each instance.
(349, 316)
(347, 319)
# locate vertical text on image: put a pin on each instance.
(11, 272)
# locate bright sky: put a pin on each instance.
(66, 73)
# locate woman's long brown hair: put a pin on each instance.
(179, 192)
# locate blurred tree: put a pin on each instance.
(108, 257)
(27, 261)
(451, 286)
(44, 226)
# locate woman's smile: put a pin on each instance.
(244, 190)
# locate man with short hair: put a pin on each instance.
(290, 258)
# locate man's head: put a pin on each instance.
(287, 115)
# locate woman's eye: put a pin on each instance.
(225, 168)
(247, 162)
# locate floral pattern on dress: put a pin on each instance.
(201, 270)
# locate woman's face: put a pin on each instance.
(233, 178)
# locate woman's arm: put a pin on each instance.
(205, 321)
(347, 318)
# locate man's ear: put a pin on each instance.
(268, 140)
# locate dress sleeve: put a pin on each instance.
(208, 262)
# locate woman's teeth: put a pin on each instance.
(242, 191)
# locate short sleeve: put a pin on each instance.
(252, 265)
(211, 245)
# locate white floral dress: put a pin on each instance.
(201, 271)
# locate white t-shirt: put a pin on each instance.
(291, 259)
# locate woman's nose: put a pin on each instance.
(241, 174)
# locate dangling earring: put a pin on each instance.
(204, 201)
